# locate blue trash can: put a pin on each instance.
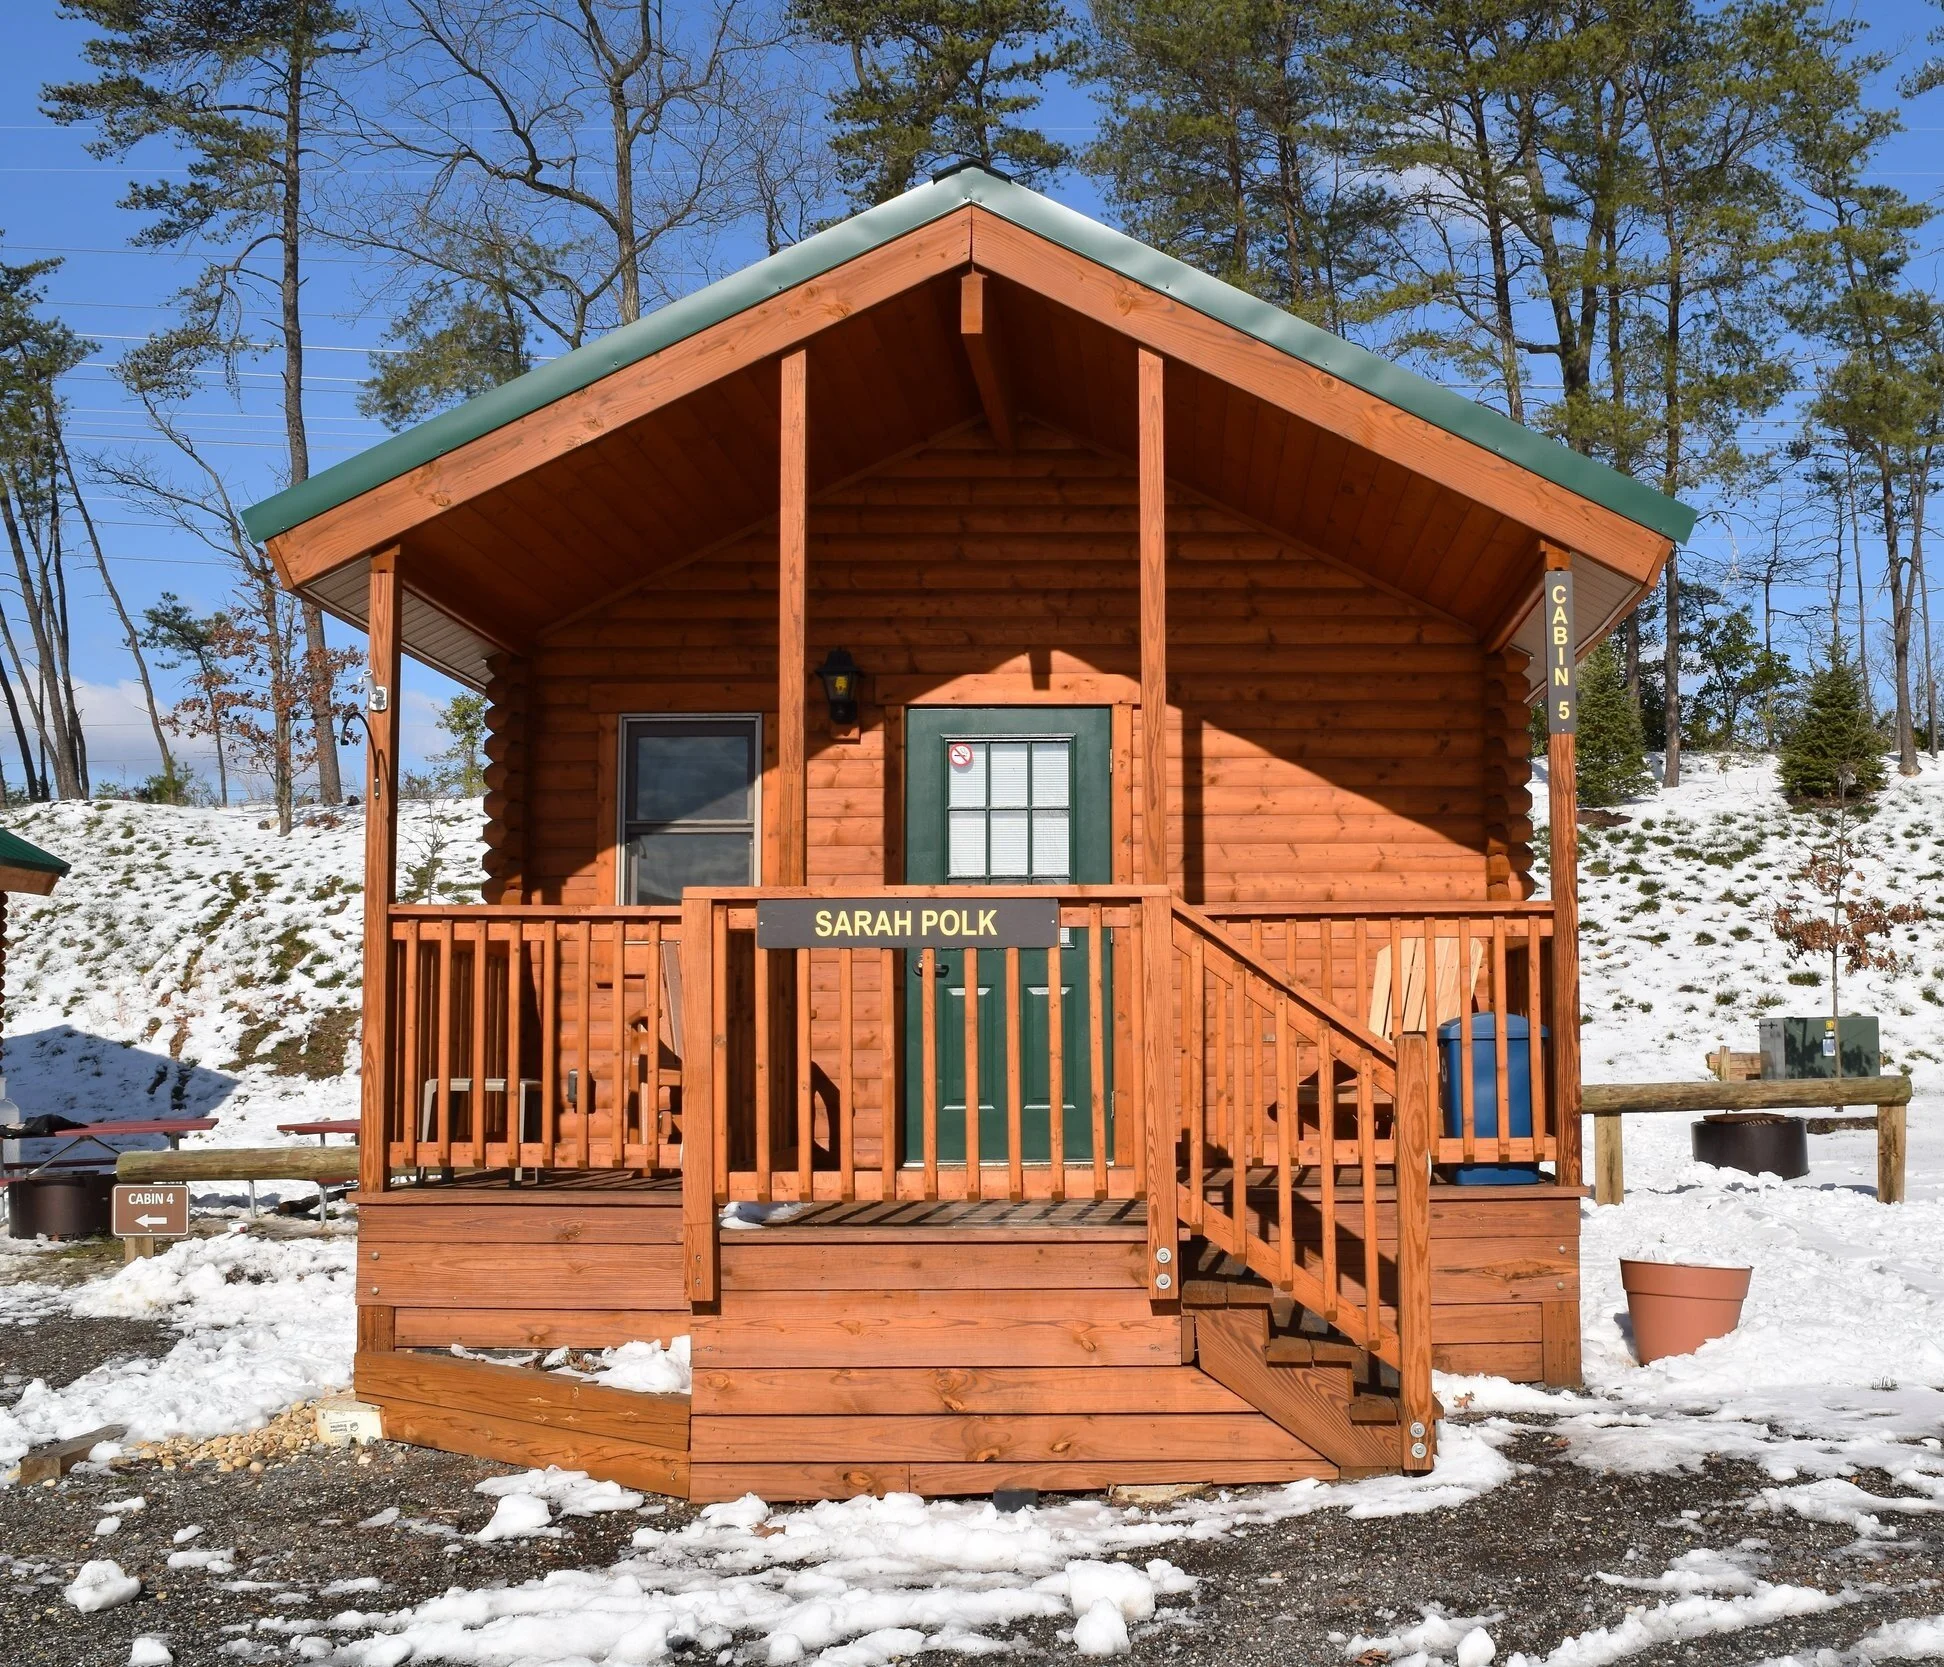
(1485, 1106)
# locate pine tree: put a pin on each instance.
(941, 81)
(1835, 751)
(1612, 751)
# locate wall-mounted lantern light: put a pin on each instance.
(840, 675)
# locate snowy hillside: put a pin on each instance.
(194, 963)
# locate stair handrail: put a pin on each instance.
(1320, 1008)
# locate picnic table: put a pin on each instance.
(324, 1128)
(98, 1134)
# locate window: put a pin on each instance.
(688, 805)
(1007, 810)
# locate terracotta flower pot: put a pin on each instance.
(1678, 1306)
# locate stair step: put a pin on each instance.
(1288, 1349)
(1373, 1409)
(1226, 1293)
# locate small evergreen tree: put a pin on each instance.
(1834, 751)
(461, 768)
(1612, 749)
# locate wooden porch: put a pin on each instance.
(1248, 1277)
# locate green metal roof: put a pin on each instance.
(1031, 212)
(15, 852)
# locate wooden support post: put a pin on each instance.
(1562, 772)
(378, 1087)
(1609, 1166)
(1418, 1438)
(1158, 1077)
(700, 1022)
(976, 329)
(792, 662)
(1154, 621)
(1891, 1128)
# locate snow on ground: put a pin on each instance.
(194, 963)
(265, 1323)
(1839, 1360)
(856, 1582)
(1838, 1366)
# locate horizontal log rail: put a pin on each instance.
(1608, 1099)
(1608, 1102)
(241, 1163)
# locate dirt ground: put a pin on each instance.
(1527, 1553)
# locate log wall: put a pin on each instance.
(1328, 740)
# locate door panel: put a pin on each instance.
(1007, 796)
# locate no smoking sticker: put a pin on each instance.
(961, 756)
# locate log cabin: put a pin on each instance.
(1009, 916)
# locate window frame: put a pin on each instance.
(625, 725)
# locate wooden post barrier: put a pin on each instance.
(1608, 1102)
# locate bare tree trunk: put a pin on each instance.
(51, 712)
(121, 613)
(36, 789)
(330, 785)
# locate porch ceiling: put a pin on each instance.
(546, 545)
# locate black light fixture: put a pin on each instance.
(840, 674)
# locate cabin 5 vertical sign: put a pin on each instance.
(1562, 675)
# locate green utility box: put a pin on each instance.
(1793, 1049)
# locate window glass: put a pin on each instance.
(690, 799)
(691, 777)
(1008, 816)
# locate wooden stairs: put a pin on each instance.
(1284, 1361)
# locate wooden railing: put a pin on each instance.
(534, 1037)
(1492, 963)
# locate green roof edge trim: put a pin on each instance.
(1030, 211)
(17, 853)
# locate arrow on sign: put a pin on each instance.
(151, 1221)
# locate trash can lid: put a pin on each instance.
(1484, 1027)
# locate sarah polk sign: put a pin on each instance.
(907, 923)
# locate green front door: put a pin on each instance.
(1007, 796)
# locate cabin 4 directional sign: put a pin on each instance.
(152, 1211)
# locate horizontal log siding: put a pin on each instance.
(1336, 742)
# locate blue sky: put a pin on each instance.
(57, 200)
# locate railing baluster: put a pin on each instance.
(1288, 1133)
(846, 1130)
(618, 1141)
(805, 1114)
(585, 1093)
(718, 1107)
(1145, 1077)
(1097, 1042)
(888, 1073)
(1535, 1041)
(1326, 1122)
(1056, 1070)
(515, 1095)
(1367, 1160)
(765, 1107)
(1501, 1061)
(445, 1043)
(657, 1126)
(549, 1043)
(1014, 1036)
(1468, 1106)
(1238, 1122)
(477, 1145)
(1194, 1003)
(973, 1156)
(1397, 978)
(928, 1040)
(412, 1101)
